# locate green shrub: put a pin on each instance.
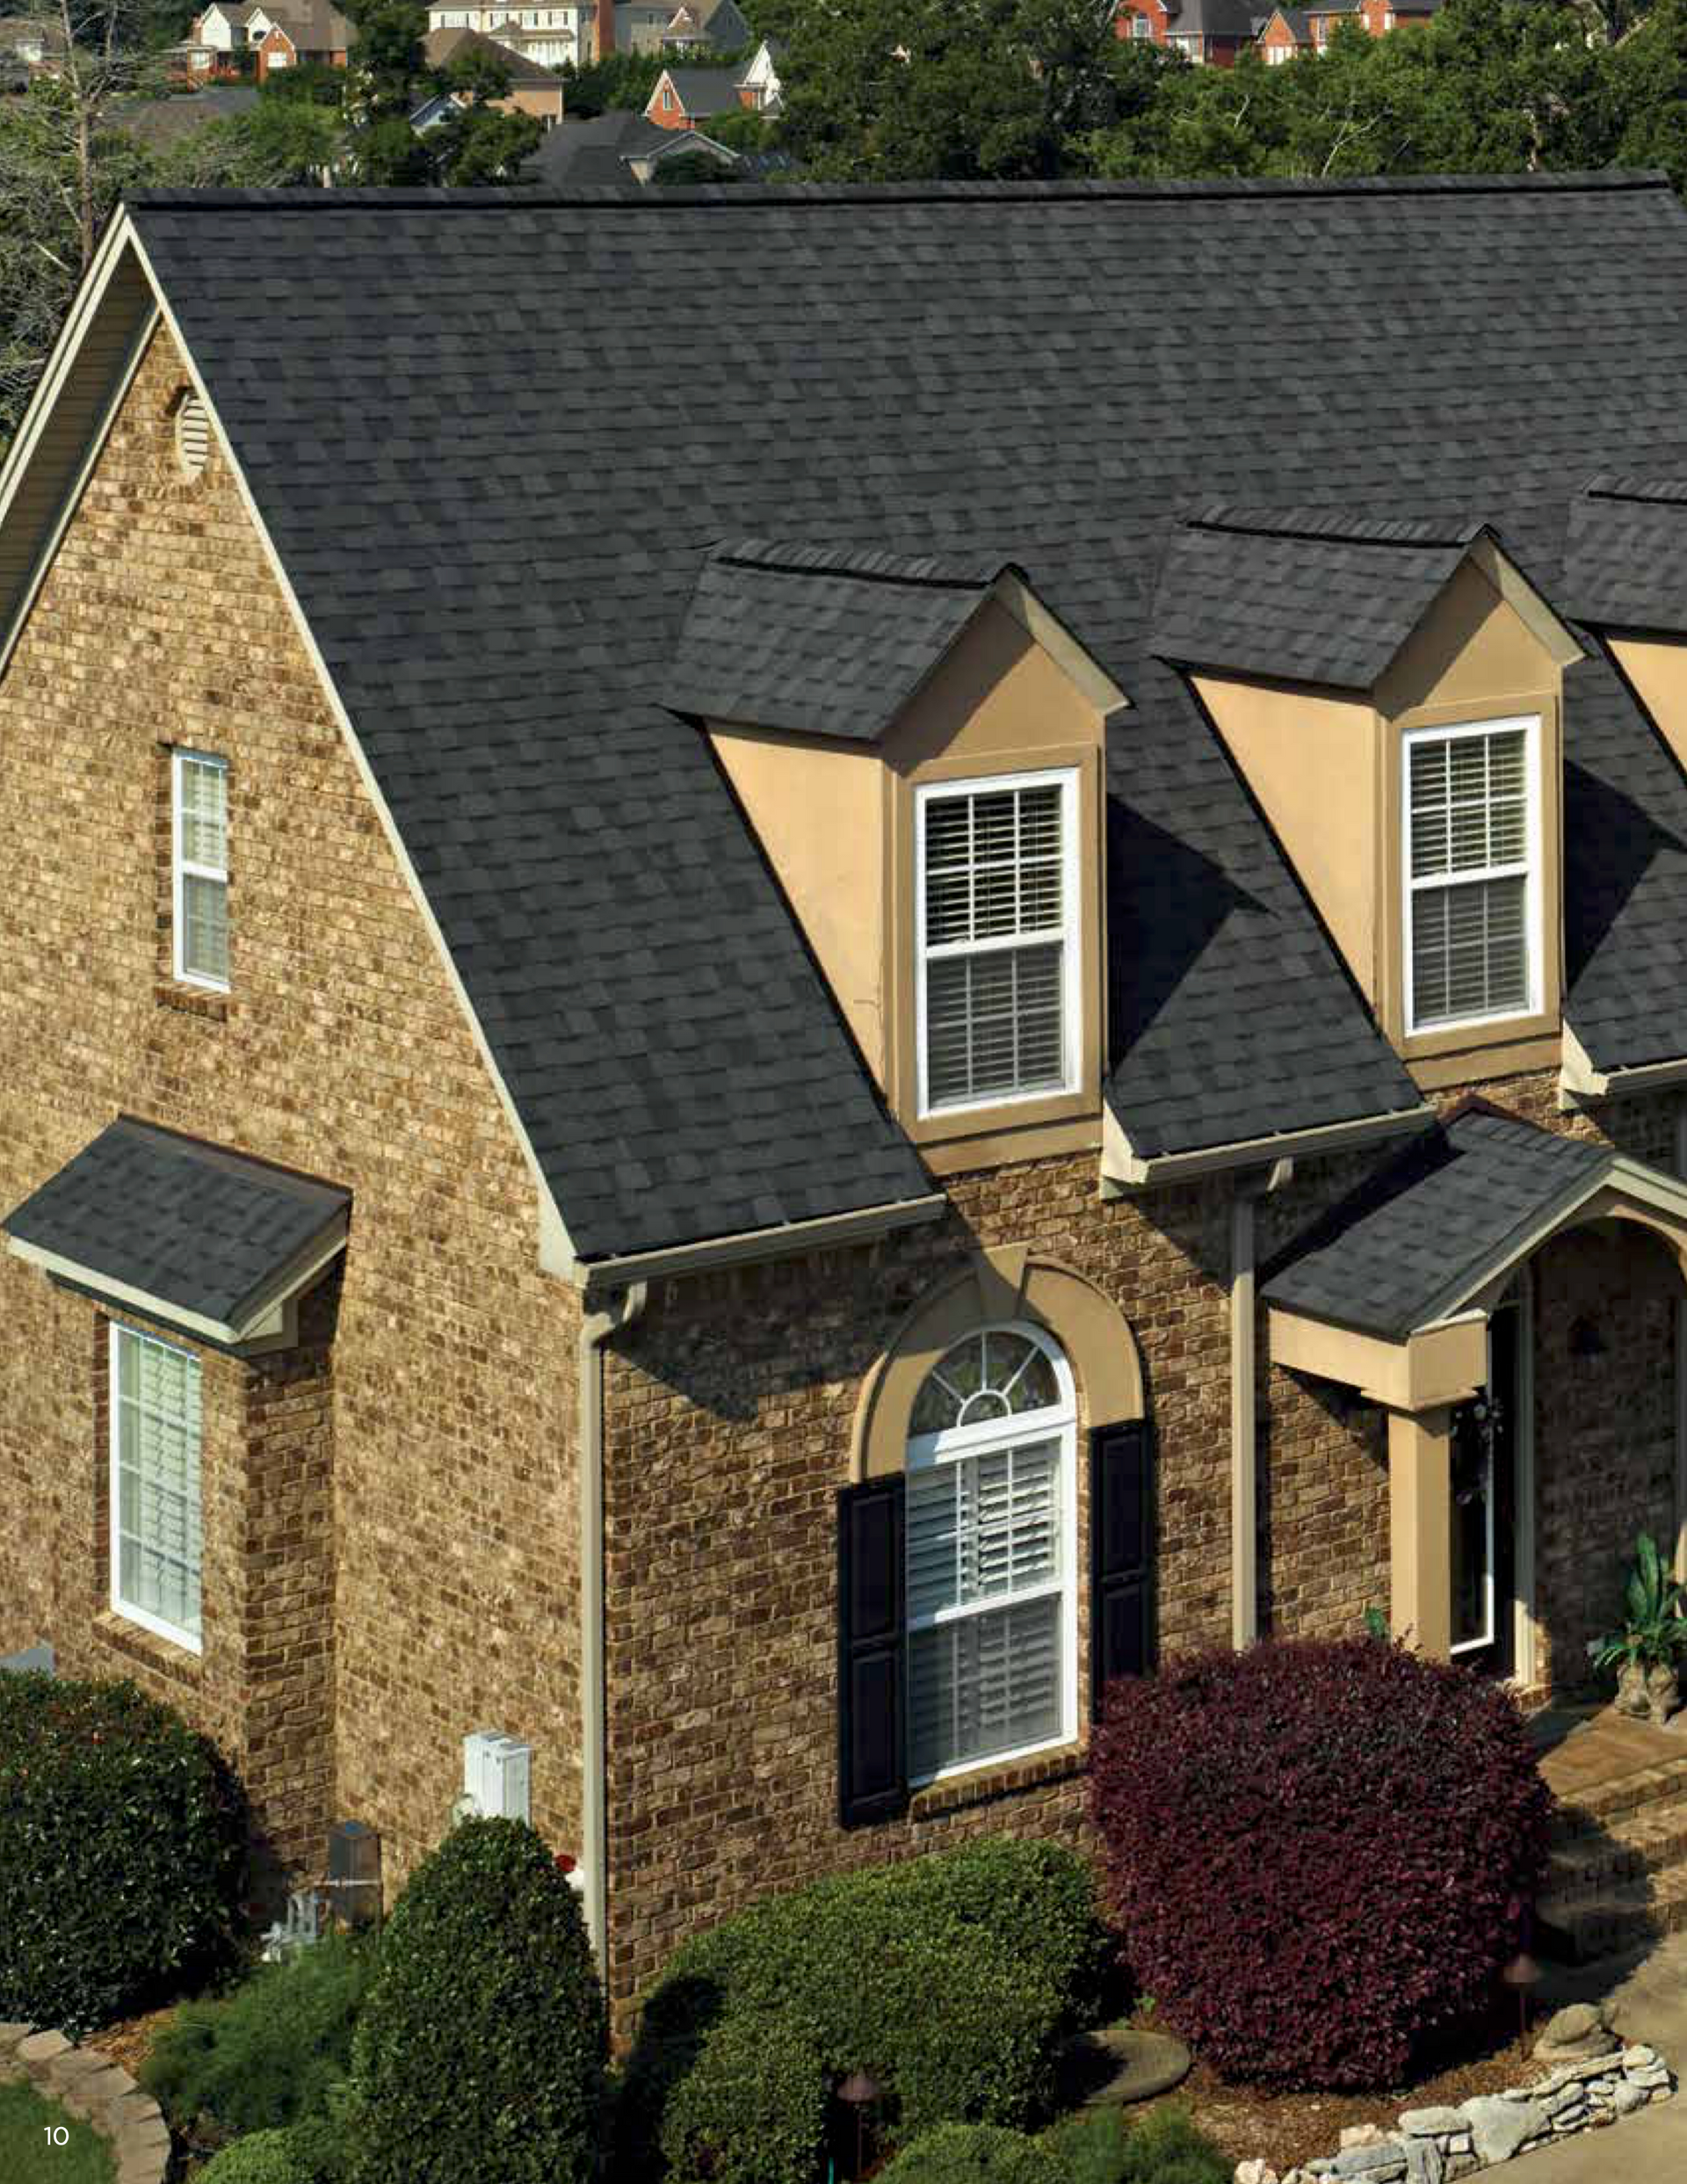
(479, 2050)
(122, 1843)
(264, 2157)
(951, 1979)
(752, 2110)
(1163, 2147)
(267, 2055)
(970, 2153)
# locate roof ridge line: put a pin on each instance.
(735, 557)
(754, 195)
(1216, 522)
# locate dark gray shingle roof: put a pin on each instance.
(1297, 596)
(197, 1227)
(704, 91)
(972, 371)
(815, 640)
(1432, 1223)
(1626, 561)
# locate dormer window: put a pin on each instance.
(1470, 920)
(998, 946)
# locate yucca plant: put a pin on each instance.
(1644, 1651)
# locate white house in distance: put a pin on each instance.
(549, 35)
(283, 35)
(759, 85)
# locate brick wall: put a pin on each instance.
(442, 1415)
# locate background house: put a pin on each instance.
(1288, 30)
(534, 88)
(1208, 32)
(685, 99)
(288, 34)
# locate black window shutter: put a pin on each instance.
(872, 1739)
(1121, 1536)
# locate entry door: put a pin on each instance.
(1484, 1508)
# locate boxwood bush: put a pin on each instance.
(266, 2055)
(1161, 2147)
(1320, 1853)
(952, 1979)
(480, 2049)
(752, 2108)
(264, 2157)
(122, 1846)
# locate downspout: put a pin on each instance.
(1250, 1187)
(596, 1329)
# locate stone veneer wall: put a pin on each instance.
(451, 1602)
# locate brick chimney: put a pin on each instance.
(605, 29)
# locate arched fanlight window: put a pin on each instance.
(991, 1553)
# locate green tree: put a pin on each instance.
(1648, 80)
(279, 143)
(620, 81)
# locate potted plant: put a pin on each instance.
(1646, 1651)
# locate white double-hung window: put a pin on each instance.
(1472, 858)
(155, 1485)
(991, 1533)
(996, 884)
(199, 876)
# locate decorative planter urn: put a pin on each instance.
(1631, 1690)
(1662, 1692)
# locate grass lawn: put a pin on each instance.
(28, 2156)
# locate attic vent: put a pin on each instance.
(192, 435)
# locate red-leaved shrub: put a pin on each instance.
(1320, 1853)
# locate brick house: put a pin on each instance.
(1209, 32)
(686, 98)
(1286, 31)
(751, 1120)
(287, 35)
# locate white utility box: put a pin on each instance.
(498, 1775)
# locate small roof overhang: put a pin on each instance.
(210, 1242)
(1391, 1290)
(1321, 596)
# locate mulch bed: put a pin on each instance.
(1290, 2127)
(130, 2039)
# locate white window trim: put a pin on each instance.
(1071, 936)
(1462, 731)
(182, 869)
(190, 1641)
(926, 1451)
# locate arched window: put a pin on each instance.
(991, 1546)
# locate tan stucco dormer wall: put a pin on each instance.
(837, 822)
(1656, 669)
(1326, 767)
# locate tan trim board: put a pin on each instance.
(263, 1320)
(1123, 1169)
(750, 1247)
(1030, 1141)
(1579, 1080)
(556, 1252)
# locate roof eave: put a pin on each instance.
(1123, 1169)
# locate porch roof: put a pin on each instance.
(1466, 1202)
(206, 1240)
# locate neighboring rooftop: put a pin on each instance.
(1625, 562)
(1046, 376)
(443, 47)
(703, 91)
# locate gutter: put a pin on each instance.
(1244, 1400)
(1578, 1080)
(1124, 1170)
(746, 1246)
(595, 1329)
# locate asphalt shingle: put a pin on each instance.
(494, 435)
(198, 1227)
(816, 640)
(1625, 560)
(1433, 1221)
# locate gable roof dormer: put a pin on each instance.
(1391, 694)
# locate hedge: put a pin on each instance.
(265, 2158)
(479, 2050)
(951, 1979)
(1320, 1853)
(752, 2108)
(1161, 2147)
(122, 1846)
(265, 2056)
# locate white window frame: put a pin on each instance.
(182, 868)
(191, 1641)
(927, 1451)
(1071, 937)
(1530, 871)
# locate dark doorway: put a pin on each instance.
(1485, 1506)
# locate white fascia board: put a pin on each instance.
(83, 313)
(1123, 1168)
(556, 1252)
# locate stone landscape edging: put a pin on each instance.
(89, 2084)
(1440, 2146)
